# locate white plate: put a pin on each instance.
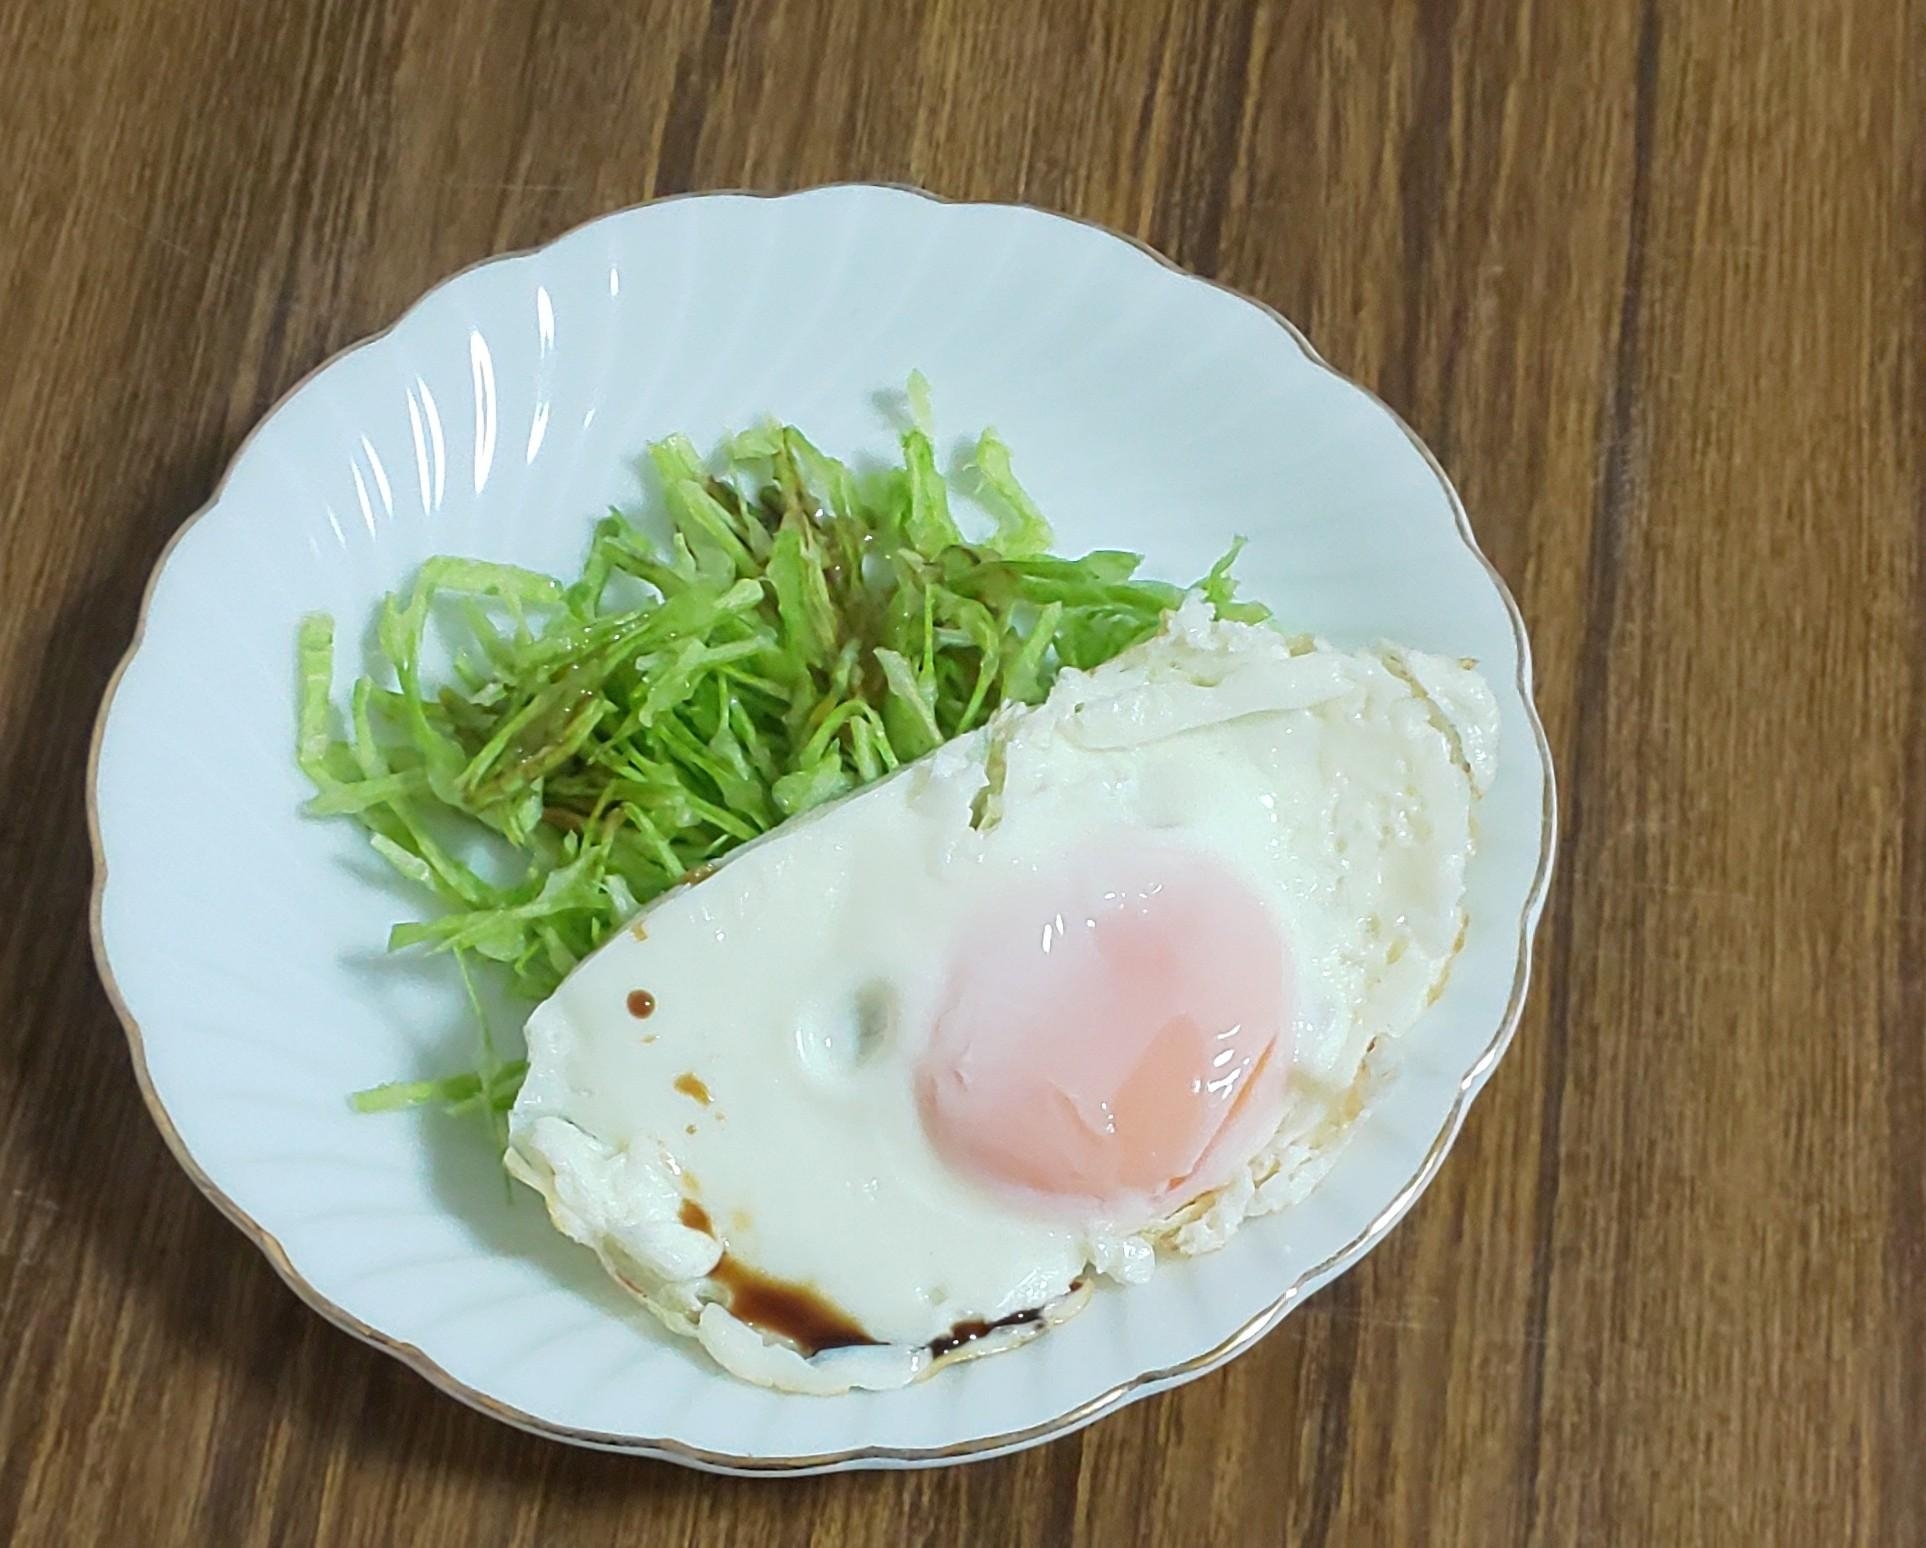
(242, 943)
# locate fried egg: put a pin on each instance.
(896, 1083)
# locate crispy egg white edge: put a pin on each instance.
(623, 1205)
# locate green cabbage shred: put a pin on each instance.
(805, 629)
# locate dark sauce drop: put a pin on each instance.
(968, 1332)
(792, 1311)
(641, 1004)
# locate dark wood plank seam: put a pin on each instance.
(1585, 771)
(1065, 1486)
(1340, 1328)
(1423, 166)
(1904, 1037)
(697, 80)
(272, 376)
(1903, 1008)
(1226, 133)
(521, 175)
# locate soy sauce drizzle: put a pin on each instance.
(804, 1316)
(968, 1332)
(796, 1312)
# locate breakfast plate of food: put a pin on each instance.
(820, 831)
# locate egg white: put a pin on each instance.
(773, 1083)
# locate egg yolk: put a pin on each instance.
(1111, 1031)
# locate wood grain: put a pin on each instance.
(1650, 277)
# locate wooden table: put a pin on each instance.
(1650, 278)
